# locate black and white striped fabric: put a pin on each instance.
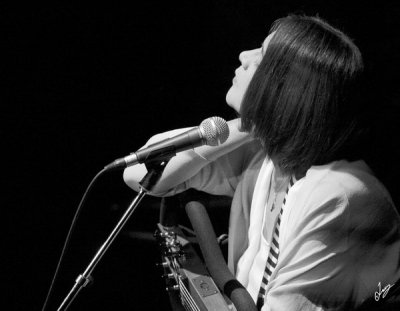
(273, 253)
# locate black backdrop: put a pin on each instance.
(85, 84)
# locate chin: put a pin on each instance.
(232, 99)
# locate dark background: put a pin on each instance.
(85, 84)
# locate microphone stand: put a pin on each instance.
(155, 170)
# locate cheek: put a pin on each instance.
(245, 82)
(245, 79)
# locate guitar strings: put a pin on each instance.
(186, 294)
(184, 297)
(189, 299)
(187, 303)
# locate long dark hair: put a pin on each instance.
(303, 101)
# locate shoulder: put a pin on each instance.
(352, 179)
(350, 187)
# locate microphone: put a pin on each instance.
(212, 132)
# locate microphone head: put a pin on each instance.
(215, 131)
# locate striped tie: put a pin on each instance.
(273, 253)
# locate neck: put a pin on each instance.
(279, 178)
(280, 174)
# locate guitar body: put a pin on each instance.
(187, 279)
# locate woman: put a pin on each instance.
(311, 228)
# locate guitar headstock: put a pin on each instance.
(186, 276)
(172, 254)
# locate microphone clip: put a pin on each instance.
(155, 169)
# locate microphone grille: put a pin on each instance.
(215, 131)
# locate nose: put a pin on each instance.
(251, 56)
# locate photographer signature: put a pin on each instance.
(382, 291)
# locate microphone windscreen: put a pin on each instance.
(214, 130)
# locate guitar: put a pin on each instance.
(188, 281)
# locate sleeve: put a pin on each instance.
(326, 261)
(219, 177)
(211, 169)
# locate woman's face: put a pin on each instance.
(249, 62)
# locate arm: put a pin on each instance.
(187, 164)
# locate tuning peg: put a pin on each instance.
(163, 264)
(172, 288)
(172, 243)
(168, 276)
